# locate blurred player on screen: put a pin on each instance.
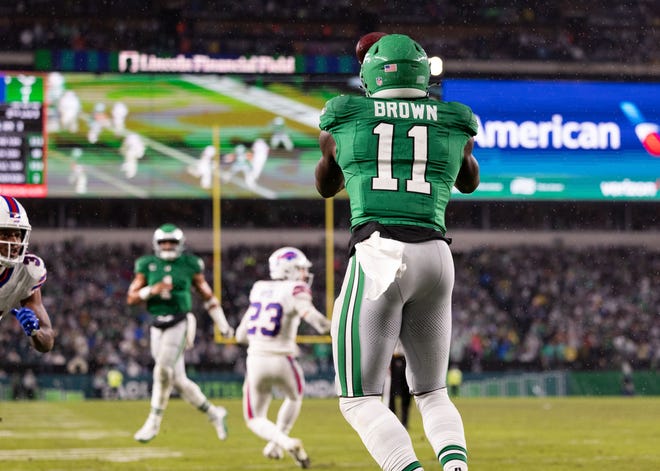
(132, 149)
(269, 327)
(260, 150)
(78, 175)
(21, 276)
(56, 86)
(203, 167)
(240, 163)
(68, 110)
(97, 123)
(118, 113)
(164, 281)
(280, 135)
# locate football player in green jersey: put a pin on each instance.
(398, 153)
(164, 281)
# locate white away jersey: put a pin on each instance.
(271, 322)
(19, 282)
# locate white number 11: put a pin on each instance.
(384, 180)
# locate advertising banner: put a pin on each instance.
(564, 140)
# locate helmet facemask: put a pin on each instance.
(13, 248)
(168, 233)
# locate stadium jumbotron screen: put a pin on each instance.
(157, 136)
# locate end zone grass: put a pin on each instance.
(539, 434)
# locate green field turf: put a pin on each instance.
(585, 434)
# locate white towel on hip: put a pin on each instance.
(382, 261)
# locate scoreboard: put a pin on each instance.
(22, 136)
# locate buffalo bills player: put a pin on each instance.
(22, 275)
(269, 327)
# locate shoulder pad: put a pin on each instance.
(198, 262)
(36, 269)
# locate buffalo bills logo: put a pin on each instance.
(13, 208)
(288, 256)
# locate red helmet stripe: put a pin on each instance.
(12, 204)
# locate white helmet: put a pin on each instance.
(171, 233)
(289, 263)
(13, 217)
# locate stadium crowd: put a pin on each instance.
(592, 30)
(525, 308)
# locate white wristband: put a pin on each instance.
(144, 293)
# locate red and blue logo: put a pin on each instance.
(14, 209)
(648, 133)
(288, 256)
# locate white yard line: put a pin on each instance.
(169, 151)
(260, 98)
(121, 455)
(260, 190)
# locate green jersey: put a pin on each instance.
(182, 270)
(400, 158)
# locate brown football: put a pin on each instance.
(365, 42)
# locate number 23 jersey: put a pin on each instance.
(272, 320)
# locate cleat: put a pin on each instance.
(148, 431)
(218, 419)
(298, 453)
(273, 451)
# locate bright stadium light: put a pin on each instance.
(436, 65)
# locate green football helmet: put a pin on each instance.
(170, 233)
(395, 66)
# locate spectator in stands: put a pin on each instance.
(454, 380)
(589, 31)
(583, 296)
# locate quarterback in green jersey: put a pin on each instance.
(398, 154)
(164, 281)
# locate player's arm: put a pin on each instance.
(317, 320)
(468, 176)
(309, 313)
(139, 290)
(212, 305)
(328, 174)
(241, 330)
(35, 322)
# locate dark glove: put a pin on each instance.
(28, 320)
